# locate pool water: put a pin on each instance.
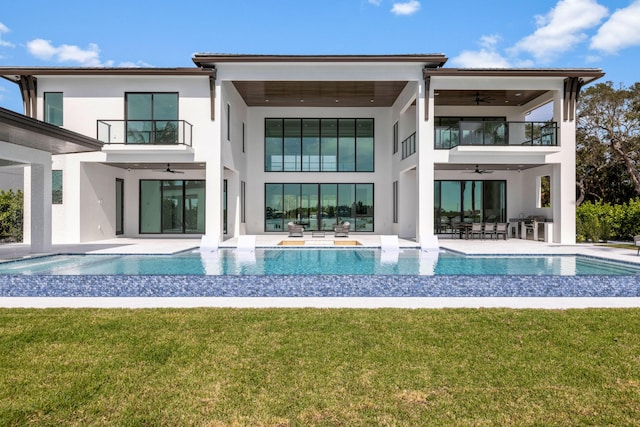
(315, 262)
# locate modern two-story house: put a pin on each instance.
(245, 144)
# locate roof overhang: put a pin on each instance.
(319, 93)
(14, 73)
(31, 133)
(586, 74)
(213, 59)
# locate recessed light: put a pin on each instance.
(518, 94)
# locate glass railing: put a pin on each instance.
(145, 132)
(496, 133)
(409, 146)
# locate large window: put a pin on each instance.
(172, 206)
(53, 108)
(152, 118)
(319, 206)
(319, 145)
(468, 201)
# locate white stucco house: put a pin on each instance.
(245, 144)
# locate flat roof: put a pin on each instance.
(209, 59)
(14, 73)
(25, 131)
(589, 74)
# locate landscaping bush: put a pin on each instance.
(11, 215)
(598, 221)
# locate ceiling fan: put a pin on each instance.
(479, 171)
(482, 99)
(168, 169)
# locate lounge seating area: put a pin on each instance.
(295, 230)
(342, 230)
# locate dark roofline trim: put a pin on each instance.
(29, 124)
(593, 73)
(201, 59)
(11, 73)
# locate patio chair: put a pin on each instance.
(342, 230)
(476, 228)
(636, 241)
(490, 229)
(502, 228)
(295, 230)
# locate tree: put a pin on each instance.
(608, 143)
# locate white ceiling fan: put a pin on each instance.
(168, 169)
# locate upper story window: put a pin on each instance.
(319, 145)
(152, 118)
(53, 108)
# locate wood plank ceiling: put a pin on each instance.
(364, 94)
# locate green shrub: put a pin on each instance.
(11, 215)
(598, 221)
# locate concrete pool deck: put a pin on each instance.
(468, 247)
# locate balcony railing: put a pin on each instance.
(145, 132)
(409, 146)
(496, 133)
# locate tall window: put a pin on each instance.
(243, 201)
(53, 108)
(228, 122)
(396, 137)
(319, 206)
(468, 201)
(172, 206)
(395, 202)
(56, 187)
(152, 118)
(319, 145)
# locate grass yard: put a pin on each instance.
(313, 367)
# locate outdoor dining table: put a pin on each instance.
(466, 228)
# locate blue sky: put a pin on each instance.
(492, 33)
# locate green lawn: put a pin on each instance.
(281, 367)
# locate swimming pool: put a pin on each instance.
(317, 262)
(301, 273)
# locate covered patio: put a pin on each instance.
(29, 143)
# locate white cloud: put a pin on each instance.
(137, 64)
(620, 31)
(485, 57)
(561, 29)
(3, 30)
(408, 8)
(375, 2)
(43, 49)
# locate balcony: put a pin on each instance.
(496, 133)
(145, 132)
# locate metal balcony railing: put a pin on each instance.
(145, 132)
(496, 133)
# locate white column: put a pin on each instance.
(40, 205)
(563, 186)
(425, 168)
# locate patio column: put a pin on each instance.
(425, 168)
(40, 207)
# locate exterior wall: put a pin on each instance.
(88, 211)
